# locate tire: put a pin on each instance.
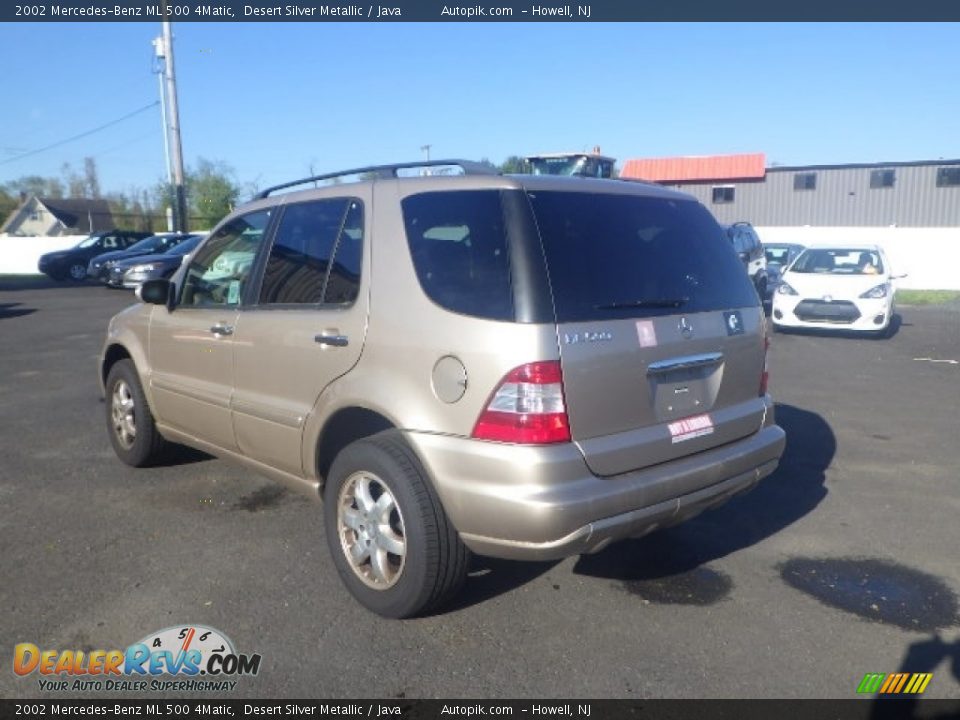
(130, 425)
(77, 272)
(432, 566)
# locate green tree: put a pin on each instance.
(8, 203)
(514, 164)
(211, 191)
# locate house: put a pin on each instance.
(58, 216)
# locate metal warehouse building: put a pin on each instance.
(922, 194)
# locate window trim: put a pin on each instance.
(878, 178)
(944, 172)
(713, 194)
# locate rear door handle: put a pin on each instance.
(332, 340)
(222, 329)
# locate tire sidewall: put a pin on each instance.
(411, 591)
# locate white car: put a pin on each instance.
(843, 287)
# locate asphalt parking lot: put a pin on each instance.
(844, 562)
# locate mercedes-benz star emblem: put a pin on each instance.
(686, 329)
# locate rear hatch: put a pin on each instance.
(660, 331)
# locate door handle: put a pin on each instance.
(332, 340)
(222, 329)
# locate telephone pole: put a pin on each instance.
(176, 150)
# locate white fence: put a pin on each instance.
(929, 256)
(19, 255)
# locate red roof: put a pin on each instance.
(705, 167)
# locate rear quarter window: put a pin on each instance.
(458, 243)
(614, 256)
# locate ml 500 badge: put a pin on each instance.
(587, 337)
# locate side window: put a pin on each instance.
(459, 247)
(315, 256)
(220, 270)
(110, 242)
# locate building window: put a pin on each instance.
(805, 181)
(948, 177)
(882, 178)
(723, 194)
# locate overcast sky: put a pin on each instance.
(275, 99)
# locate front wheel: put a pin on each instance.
(77, 272)
(391, 541)
(130, 424)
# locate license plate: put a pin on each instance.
(691, 427)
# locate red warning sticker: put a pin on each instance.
(690, 428)
(646, 333)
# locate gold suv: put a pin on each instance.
(524, 367)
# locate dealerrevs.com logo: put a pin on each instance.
(198, 658)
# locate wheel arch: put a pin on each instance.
(345, 426)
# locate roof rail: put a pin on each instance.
(469, 167)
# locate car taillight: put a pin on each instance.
(527, 407)
(765, 375)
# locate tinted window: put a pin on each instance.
(344, 281)
(723, 194)
(948, 177)
(296, 271)
(219, 272)
(614, 256)
(459, 248)
(805, 181)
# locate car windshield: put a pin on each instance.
(839, 261)
(90, 241)
(780, 254)
(185, 246)
(154, 242)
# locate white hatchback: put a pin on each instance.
(843, 287)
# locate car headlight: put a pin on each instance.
(147, 267)
(785, 289)
(880, 291)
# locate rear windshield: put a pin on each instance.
(615, 256)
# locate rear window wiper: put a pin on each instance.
(658, 303)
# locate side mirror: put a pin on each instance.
(156, 292)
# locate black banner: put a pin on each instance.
(482, 11)
(854, 709)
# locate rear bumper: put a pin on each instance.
(543, 503)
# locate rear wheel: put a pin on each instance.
(391, 541)
(130, 424)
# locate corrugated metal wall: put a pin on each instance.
(843, 197)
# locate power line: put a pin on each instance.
(81, 135)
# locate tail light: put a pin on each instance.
(765, 375)
(527, 407)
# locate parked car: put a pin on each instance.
(779, 256)
(133, 272)
(99, 266)
(72, 263)
(845, 287)
(748, 247)
(527, 367)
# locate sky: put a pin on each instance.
(277, 101)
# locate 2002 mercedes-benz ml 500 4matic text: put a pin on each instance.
(525, 367)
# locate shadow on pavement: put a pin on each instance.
(12, 310)
(923, 656)
(490, 577)
(14, 283)
(668, 566)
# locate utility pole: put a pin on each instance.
(426, 156)
(161, 56)
(176, 150)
